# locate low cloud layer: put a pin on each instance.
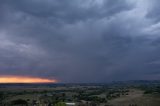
(80, 40)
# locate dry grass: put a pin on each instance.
(136, 97)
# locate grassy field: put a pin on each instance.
(102, 95)
(136, 98)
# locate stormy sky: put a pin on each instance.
(80, 40)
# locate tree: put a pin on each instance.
(60, 104)
(19, 102)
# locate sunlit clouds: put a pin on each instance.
(25, 79)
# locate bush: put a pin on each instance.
(60, 104)
(19, 102)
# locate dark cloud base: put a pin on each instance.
(80, 40)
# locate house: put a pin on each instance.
(70, 104)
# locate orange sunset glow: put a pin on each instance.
(25, 79)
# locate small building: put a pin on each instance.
(70, 104)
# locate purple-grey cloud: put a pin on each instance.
(79, 40)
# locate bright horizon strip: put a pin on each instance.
(25, 79)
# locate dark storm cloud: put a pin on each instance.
(72, 11)
(154, 10)
(78, 40)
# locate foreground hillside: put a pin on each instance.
(114, 94)
(136, 98)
